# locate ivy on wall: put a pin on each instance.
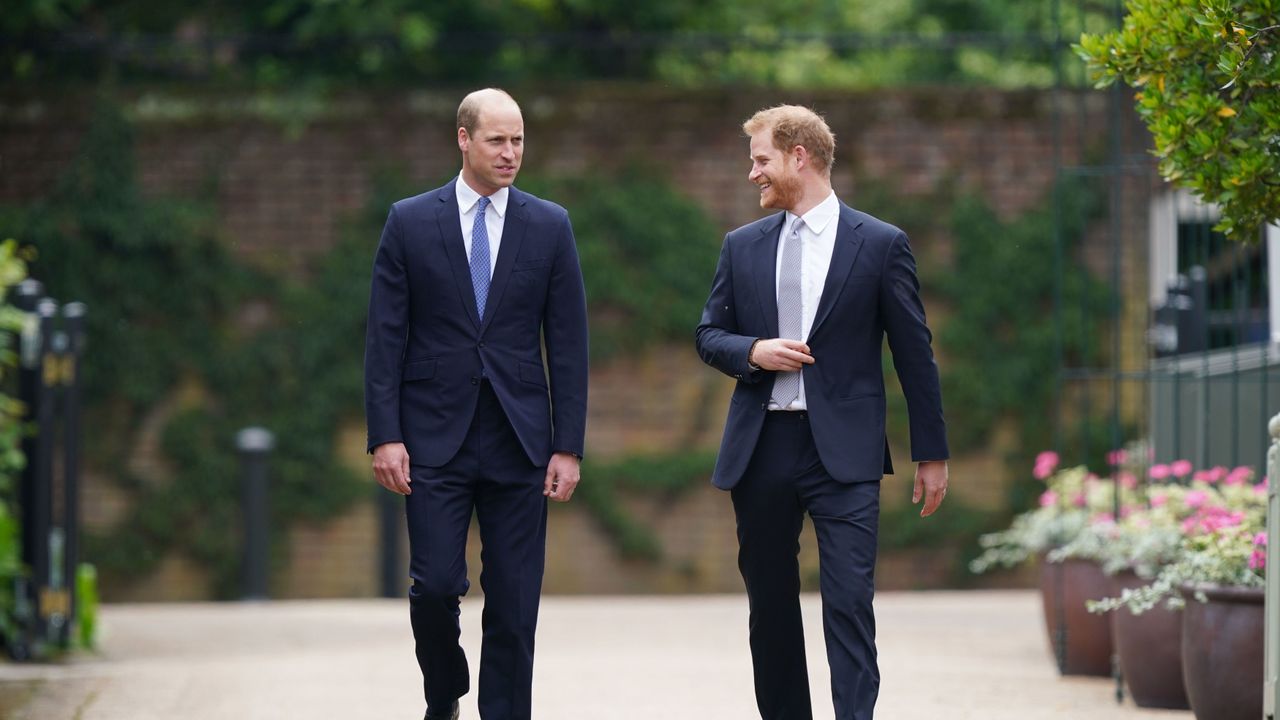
(647, 255)
(187, 345)
(174, 358)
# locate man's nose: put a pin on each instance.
(754, 173)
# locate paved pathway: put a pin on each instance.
(953, 655)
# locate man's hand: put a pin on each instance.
(563, 474)
(780, 354)
(391, 467)
(931, 484)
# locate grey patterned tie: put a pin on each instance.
(480, 256)
(786, 385)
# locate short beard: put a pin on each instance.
(786, 192)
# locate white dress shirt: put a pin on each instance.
(494, 218)
(818, 238)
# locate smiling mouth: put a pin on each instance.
(765, 186)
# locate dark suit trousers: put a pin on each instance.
(784, 480)
(492, 476)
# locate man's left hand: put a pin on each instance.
(563, 474)
(931, 484)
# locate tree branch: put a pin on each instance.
(1253, 45)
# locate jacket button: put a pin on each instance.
(764, 406)
(738, 376)
(481, 344)
(475, 381)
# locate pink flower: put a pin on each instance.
(1117, 457)
(1046, 463)
(1127, 479)
(1260, 539)
(1257, 560)
(1158, 472)
(1158, 499)
(1195, 498)
(1212, 475)
(1211, 519)
(1180, 468)
(1103, 518)
(1048, 498)
(1128, 510)
(1238, 476)
(1079, 500)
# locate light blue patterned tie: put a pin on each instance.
(480, 256)
(786, 385)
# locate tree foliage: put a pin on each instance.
(1208, 81)
(292, 43)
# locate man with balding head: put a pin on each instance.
(799, 308)
(470, 281)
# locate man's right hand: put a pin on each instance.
(780, 354)
(391, 467)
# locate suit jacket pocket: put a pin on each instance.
(531, 264)
(532, 373)
(418, 370)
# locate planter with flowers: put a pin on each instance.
(1203, 545)
(1080, 642)
(1132, 549)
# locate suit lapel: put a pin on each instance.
(848, 243)
(765, 258)
(513, 228)
(450, 229)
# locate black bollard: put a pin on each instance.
(255, 444)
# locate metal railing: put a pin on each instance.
(51, 346)
(1271, 674)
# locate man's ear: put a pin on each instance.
(463, 139)
(801, 156)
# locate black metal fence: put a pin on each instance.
(1184, 362)
(51, 347)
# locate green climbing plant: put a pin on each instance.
(188, 344)
(13, 269)
(171, 355)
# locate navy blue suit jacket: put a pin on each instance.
(426, 348)
(871, 291)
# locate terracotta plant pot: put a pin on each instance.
(1222, 653)
(1150, 650)
(1079, 640)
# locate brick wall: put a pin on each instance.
(282, 190)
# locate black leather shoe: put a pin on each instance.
(451, 715)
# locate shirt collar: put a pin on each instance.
(819, 215)
(467, 198)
